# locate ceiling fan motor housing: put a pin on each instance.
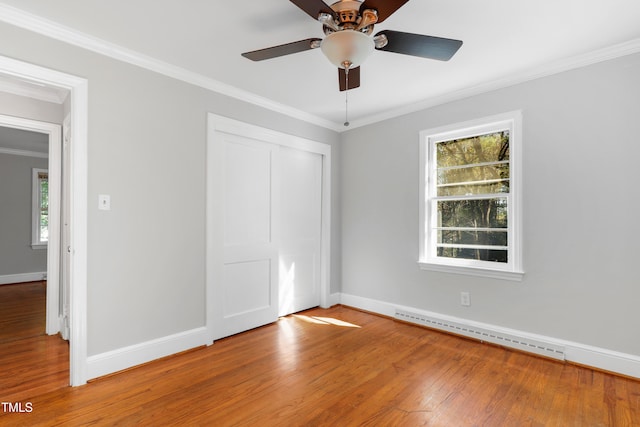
(349, 17)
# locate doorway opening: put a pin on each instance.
(17, 128)
(36, 76)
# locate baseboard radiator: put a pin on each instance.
(541, 348)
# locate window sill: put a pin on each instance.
(515, 276)
(39, 246)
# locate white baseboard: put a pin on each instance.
(127, 357)
(334, 299)
(23, 277)
(598, 358)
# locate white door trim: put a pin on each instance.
(219, 124)
(65, 243)
(78, 88)
(53, 131)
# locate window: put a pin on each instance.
(470, 195)
(40, 208)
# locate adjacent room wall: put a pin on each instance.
(29, 108)
(16, 255)
(146, 149)
(581, 207)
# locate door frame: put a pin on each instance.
(53, 132)
(216, 126)
(78, 96)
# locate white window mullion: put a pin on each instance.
(473, 165)
(470, 197)
(471, 229)
(462, 246)
(459, 184)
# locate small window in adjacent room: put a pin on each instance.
(40, 208)
(470, 219)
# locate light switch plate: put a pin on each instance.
(104, 202)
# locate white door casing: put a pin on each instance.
(65, 234)
(246, 169)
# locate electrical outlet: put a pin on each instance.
(465, 299)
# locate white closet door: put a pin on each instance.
(250, 271)
(266, 226)
(300, 229)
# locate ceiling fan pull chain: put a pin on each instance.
(346, 93)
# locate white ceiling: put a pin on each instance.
(505, 41)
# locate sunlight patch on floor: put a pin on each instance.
(325, 321)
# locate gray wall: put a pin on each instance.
(581, 210)
(147, 140)
(16, 254)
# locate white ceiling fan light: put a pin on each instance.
(347, 48)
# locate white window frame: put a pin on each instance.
(428, 259)
(36, 195)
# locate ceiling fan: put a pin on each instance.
(348, 28)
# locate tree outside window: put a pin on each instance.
(470, 225)
(40, 214)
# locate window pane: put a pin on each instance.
(44, 209)
(44, 227)
(476, 254)
(478, 213)
(483, 238)
(44, 193)
(492, 147)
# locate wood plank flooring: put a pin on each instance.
(22, 310)
(342, 367)
(32, 362)
(33, 366)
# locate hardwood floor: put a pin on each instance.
(32, 362)
(33, 366)
(22, 310)
(342, 367)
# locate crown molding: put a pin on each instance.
(54, 30)
(616, 51)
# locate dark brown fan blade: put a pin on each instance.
(283, 49)
(354, 78)
(385, 8)
(419, 45)
(313, 8)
